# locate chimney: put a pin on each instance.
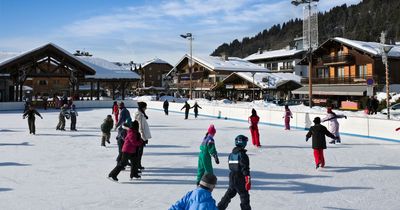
(224, 56)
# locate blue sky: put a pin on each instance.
(139, 30)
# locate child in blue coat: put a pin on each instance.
(200, 198)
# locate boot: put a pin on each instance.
(332, 142)
(113, 177)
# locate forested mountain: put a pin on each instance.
(364, 21)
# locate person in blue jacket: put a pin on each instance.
(200, 198)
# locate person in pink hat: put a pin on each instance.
(207, 149)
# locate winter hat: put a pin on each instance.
(208, 181)
(211, 130)
(317, 120)
(329, 110)
(121, 104)
(241, 141)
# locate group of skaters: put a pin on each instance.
(239, 176)
(185, 107)
(66, 112)
(133, 135)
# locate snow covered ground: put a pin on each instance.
(67, 170)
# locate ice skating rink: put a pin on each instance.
(68, 170)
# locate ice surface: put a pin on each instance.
(67, 170)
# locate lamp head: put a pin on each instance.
(387, 48)
(188, 35)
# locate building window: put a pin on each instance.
(340, 71)
(42, 82)
(362, 71)
(323, 73)
(274, 66)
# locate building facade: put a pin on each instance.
(342, 67)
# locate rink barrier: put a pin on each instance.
(12, 106)
(363, 127)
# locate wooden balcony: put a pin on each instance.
(340, 80)
(338, 60)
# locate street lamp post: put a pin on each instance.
(309, 52)
(385, 50)
(189, 36)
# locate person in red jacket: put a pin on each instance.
(131, 142)
(255, 135)
(115, 111)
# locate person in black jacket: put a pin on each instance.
(187, 108)
(165, 106)
(31, 112)
(196, 109)
(318, 133)
(239, 177)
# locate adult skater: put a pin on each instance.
(187, 108)
(31, 112)
(255, 135)
(196, 109)
(115, 111)
(200, 198)
(287, 116)
(165, 106)
(131, 143)
(124, 117)
(144, 130)
(106, 128)
(207, 149)
(73, 114)
(61, 117)
(239, 176)
(318, 133)
(333, 124)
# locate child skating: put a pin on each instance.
(73, 114)
(131, 143)
(255, 134)
(318, 133)
(207, 149)
(106, 128)
(31, 112)
(333, 123)
(287, 116)
(239, 176)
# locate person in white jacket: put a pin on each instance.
(144, 129)
(333, 124)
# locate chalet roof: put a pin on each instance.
(273, 54)
(216, 63)
(267, 80)
(50, 47)
(155, 60)
(373, 48)
(106, 69)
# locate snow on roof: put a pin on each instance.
(106, 69)
(373, 48)
(4, 56)
(269, 80)
(273, 54)
(234, 64)
(155, 60)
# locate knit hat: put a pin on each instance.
(208, 180)
(329, 110)
(211, 130)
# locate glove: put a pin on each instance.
(345, 117)
(248, 183)
(145, 142)
(398, 129)
(306, 139)
(216, 159)
(41, 117)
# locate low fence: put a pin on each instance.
(11, 106)
(379, 129)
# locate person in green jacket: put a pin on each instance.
(106, 127)
(207, 149)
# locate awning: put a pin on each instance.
(336, 90)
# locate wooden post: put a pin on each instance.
(16, 91)
(20, 91)
(91, 90)
(123, 90)
(98, 90)
(113, 90)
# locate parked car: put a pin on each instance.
(394, 109)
